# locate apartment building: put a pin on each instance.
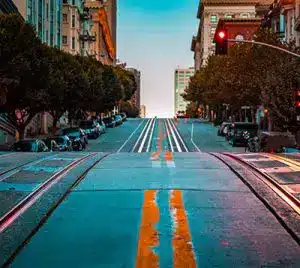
(181, 82)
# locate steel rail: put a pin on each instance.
(291, 200)
(50, 211)
(9, 217)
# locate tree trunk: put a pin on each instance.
(269, 123)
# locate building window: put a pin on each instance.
(73, 20)
(73, 2)
(73, 42)
(47, 36)
(65, 39)
(244, 15)
(228, 16)
(47, 11)
(65, 18)
(213, 19)
(65, 1)
(212, 30)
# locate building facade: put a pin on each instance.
(283, 17)
(209, 13)
(8, 6)
(77, 37)
(103, 48)
(136, 98)
(46, 18)
(239, 29)
(181, 82)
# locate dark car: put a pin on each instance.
(34, 145)
(123, 116)
(118, 120)
(222, 130)
(64, 143)
(109, 122)
(77, 136)
(102, 125)
(91, 128)
(51, 144)
(238, 131)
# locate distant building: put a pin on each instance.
(7, 6)
(111, 7)
(136, 98)
(103, 48)
(46, 18)
(143, 111)
(181, 82)
(209, 13)
(283, 17)
(239, 28)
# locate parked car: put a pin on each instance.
(102, 126)
(51, 144)
(109, 122)
(64, 143)
(29, 145)
(91, 128)
(118, 120)
(238, 130)
(222, 130)
(77, 136)
(123, 116)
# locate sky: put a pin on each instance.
(155, 37)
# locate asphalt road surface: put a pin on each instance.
(150, 193)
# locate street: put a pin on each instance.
(151, 193)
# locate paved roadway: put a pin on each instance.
(153, 197)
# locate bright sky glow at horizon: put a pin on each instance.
(155, 37)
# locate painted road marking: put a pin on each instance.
(179, 136)
(169, 138)
(192, 139)
(174, 137)
(145, 136)
(183, 252)
(151, 136)
(124, 144)
(140, 137)
(148, 236)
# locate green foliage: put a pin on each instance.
(249, 75)
(35, 77)
(130, 110)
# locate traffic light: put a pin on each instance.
(221, 37)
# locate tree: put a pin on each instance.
(23, 71)
(129, 109)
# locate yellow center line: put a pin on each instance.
(148, 236)
(183, 253)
